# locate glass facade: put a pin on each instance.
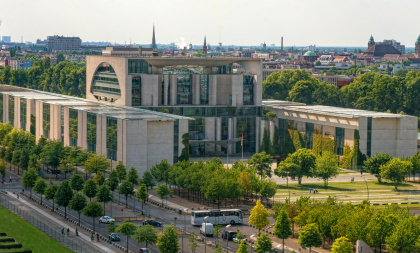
(91, 132)
(12, 110)
(369, 137)
(247, 127)
(73, 125)
(136, 90)
(339, 140)
(204, 89)
(46, 120)
(248, 90)
(184, 88)
(176, 139)
(225, 69)
(111, 138)
(23, 106)
(282, 131)
(210, 111)
(196, 130)
(1, 107)
(62, 124)
(139, 66)
(309, 135)
(105, 84)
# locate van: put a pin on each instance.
(206, 229)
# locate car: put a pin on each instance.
(106, 219)
(237, 240)
(152, 222)
(54, 171)
(145, 250)
(115, 237)
(229, 234)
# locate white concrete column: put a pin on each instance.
(6, 108)
(173, 90)
(82, 129)
(120, 149)
(39, 116)
(218, 132)
(196, 89)
(99, 131)
(212, 89)
(257, 134)
(210, 132)
(272, 124)
(257, 90)
(231, 136)
(66, 126)
(165, 89)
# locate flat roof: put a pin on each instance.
(116, 111)
(334, 111)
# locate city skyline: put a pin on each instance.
(232, 23)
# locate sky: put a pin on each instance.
(233, 22)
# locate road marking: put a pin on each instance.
(62, 224)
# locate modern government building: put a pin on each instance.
(138, 106)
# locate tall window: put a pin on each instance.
(339, 140)
(1, 107)
(73, 125)
(136, 91)
(369, 137)
(309, 134)
(46, 120)
(139, 66)
(184, 88)
(176, 139)
(23, 113)
(91, 131)
(196, 130)
(248, 90)
(62, 124)
(204, 89)
(12, 110)
(111, 138)
(105, 85)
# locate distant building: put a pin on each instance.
(63, 44)
(128, 51)
(20, 64)
(6, 39)
(417, 48)
(337, 80)
(379, 50)
(310, 56)
(396, 44)
(264, 46)
(205, 46)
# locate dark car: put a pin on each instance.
(152, 222)
(115, 237)
(229, 234)
(54, 171)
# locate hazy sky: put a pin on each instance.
(239, 22)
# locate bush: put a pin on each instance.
(3, 234)
(16, 251)
(10, 245)
(6, 239)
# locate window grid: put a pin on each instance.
(46, 120)
(91, 132)
(73, 125)
(111, 137)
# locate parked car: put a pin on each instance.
(152, 222)
(229, 234)
(115, 237)
(106, 219)
(145, 250)
(239, 240)
(206, 229)
(54, 171)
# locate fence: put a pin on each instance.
(69, 243)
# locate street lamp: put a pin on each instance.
(149, 206)
(227, 239)
(367, 188)
(205, 234)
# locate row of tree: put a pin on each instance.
(370, 91)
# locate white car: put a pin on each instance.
(106, 219)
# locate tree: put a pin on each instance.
(403, 238)
(263, 244)
(259, 216)
(379, 227)
(28, 180)
(193, 244)
(52, 152)
(266, 143)
(40, 187)
(90, 189)
(282, 228)
(326, 166)
(111, 227)
(60, 57)
(93, 210)
(299, 164)
(142, 194)
(77, 182)
(372, 164)
(268, 189)
(112, 181)
(242, 248)
(2, 170)
(128, 229)
(341, 245)
(34, 162)
(64, 195)
(78, 203)
(162, 191)
(132, 176)
(261, 162)
(146, 234)
(160, 171)
(51, 191)
(302, 91)
(104, 195)
(126, 189)
(185, 153)
(168, 240)
(148, 179)
(396, 170)
(98, 163)
(309, 236)
(121, 171)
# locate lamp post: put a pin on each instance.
(205, 234)
(227, 239)
(149, 206)
(367, 188)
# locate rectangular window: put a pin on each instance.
(196, 130)
(246, 127)
(204, 89)
(282, 131)
(62, 124)
(73, 125)
(369, 137)
(176, 139)
(184, 88)
(339, 140)
(138, 66)
(23, 113)
(12, 110)
(91, 132)
(248, 90)
(111, 137)
(46, 120)
(309, 134)
(136, 91)
(1, 107)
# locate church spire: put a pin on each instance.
(205, 46)
(154, 46)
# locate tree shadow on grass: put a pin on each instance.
(315, 186)
(393, 185)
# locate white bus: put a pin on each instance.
(216, 217)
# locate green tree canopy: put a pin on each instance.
(121, 170)
(146, 234)
(112, 181)
(28, 180)
(142, 194)
(63, 196)
(259, 216)
(133, 176)
(282, 228)
(341, 245)
(78, 203)
(326, 166)
(309, 236)
(261, 162)
(162, 191)
(90, 189)
(128, 229)
(104, 195)
(396, 170)
(98, 163)
(168, 240)
(299, 164)
(93, 210)
(263, 244)
(51, 191)
(77, 182)
(126, 188)
(372, 164)
(40, 187)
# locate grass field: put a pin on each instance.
(353, 192)
(28, 235)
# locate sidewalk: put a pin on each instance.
(57, 222)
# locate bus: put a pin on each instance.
(217, 217)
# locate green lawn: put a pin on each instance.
(28, 235)
(354, 192)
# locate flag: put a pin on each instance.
(242, 139)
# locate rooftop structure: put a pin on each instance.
(61, 43)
